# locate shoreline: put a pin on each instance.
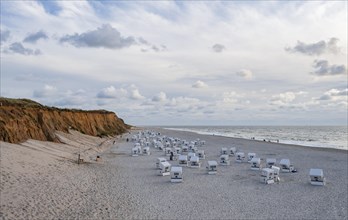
(248, 139)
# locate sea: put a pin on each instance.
(311, 136)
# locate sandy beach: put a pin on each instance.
(41, 180)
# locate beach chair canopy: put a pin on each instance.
(212, 163)
(256, 160)
(316, 172)
(194, 159)
(271, 160)
(225, 157)
(285, 162)
(176, 170)
(182, 157)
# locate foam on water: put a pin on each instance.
(312, 136)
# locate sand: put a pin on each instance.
(41, 180)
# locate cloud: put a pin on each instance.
(323, 68)
(334, 94)
(105, 36)
(161, 97)
(286, 98)
(17, 47)
(318, 48)
(5, 35)
(112, 93)
(71, 99)
(199, 84)
(45, 92)
(231, 97)
(246, 74)
(135, 94)
(34, 37)
(218, 48)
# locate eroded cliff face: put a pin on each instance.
(22, 119)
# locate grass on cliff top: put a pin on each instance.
(27, 103)
(19, 102)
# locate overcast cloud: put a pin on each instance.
(193, 63)
(105, 36)
(34, 37)
(218, 48)
(318, 48)
(323, 68)
(17, 47)
(5, 35)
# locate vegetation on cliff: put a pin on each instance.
(22, 119)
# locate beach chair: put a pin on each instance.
(267, 176)
(240, 157)
(135, 152)
(182, 160)
(276, 173)
(184, 148)
(177, 150)
(160, 145)
(168, 151)
(212, 167)
(270, 162)
(176, 175)
(251, 156)
(233, 151)
(146, 151)
(286, 166)
(317, 177)
(159, 160)
(164, 169)
(201, 154)
(189, 155)
(224, 160)
(194, 162)
(255, 163)
(224, 151)
(194, 149)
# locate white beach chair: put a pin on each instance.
(317, 177)
(184, 148)
(194, 149)
(240, 157)
(160, 145)
(159, 160)
(176, 175)
(201, 154)
(251, 156)
(276, 173)
(164, 169)
(194, 162)
(212, 167)
(267, 176)
(177, 150)
(168, 151)
(189, 155)
(255, 163)
(233, 151)
(224, 151)
(286, 166)
(270, 162)
(146, 151)
(182, 160)
(224, 160)
(135, 151)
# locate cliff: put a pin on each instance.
(22, 119)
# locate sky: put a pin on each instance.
(181, 62)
